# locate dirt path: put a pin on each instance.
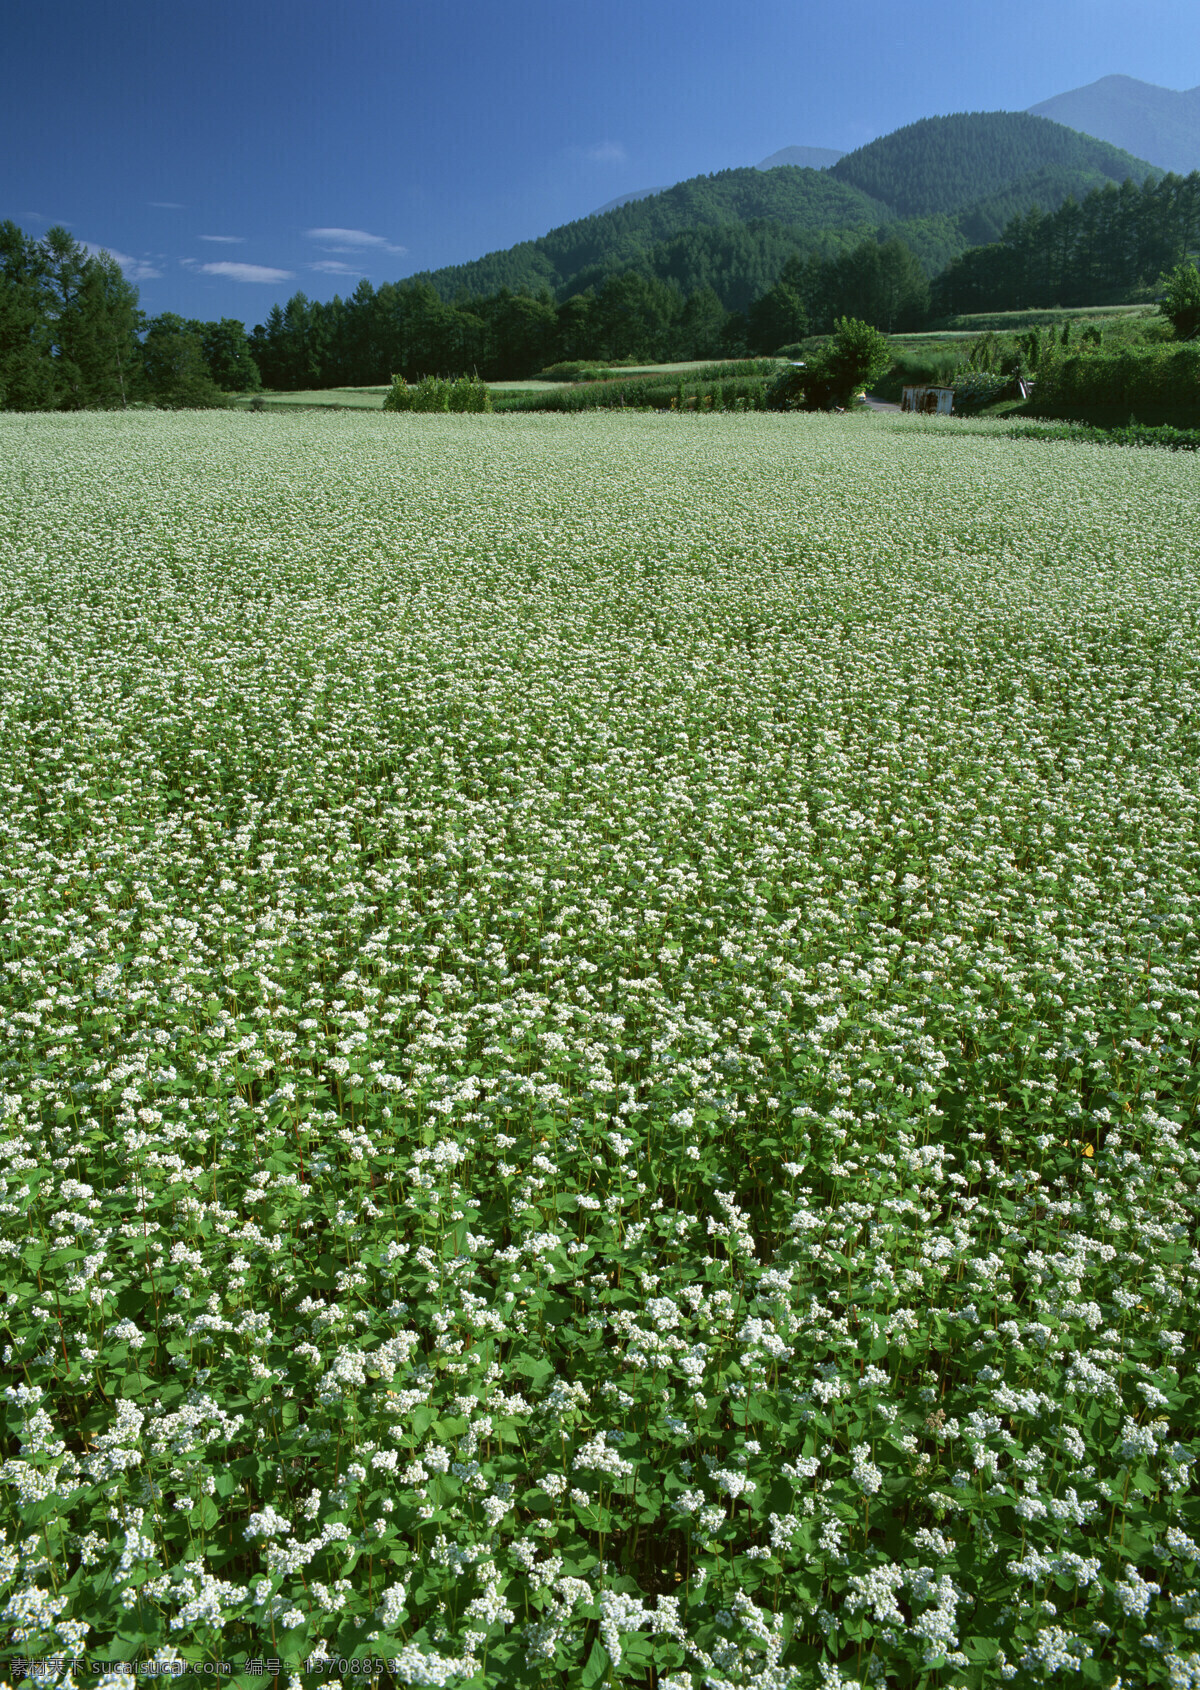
(879, 404)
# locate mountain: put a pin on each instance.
(1159, 124)
(806, 158)
(944, 164)
(944, 184)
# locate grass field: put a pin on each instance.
(1048, 316)
(601, 1027)
(371, 398)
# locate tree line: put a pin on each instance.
(1113, 242)
(1100, 250)
(72, 334)
(406, 328)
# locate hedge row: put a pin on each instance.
(1134, 434)
(654, 393)
(1154, 384)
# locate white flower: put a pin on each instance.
(267, 1523)
(867, 1476)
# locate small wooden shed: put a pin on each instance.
(931, 401)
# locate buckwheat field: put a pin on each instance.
(599, 1058)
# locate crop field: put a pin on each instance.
(599, 1073)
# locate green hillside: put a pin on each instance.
(738, 261)
(947, 164)
(944, 184)
(807, 201)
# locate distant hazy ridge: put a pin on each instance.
(1158, 124)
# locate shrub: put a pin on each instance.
(437, 393)
(1180, 303)
(583, 370)
(788, 389)
(853, 357)
(977, 388)
(1134, 434)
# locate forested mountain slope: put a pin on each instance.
(809, 201)
(943, 185)
(945, 164)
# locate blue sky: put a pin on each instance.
(232, 154)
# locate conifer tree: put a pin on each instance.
(28, 376)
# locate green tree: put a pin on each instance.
(107, 325)
(29, 379)
(63, 260)
(577, 327)
(93, 318)
(775, 319)
(1180, 303)
(635, 316)
(698, 334)
(227, 354)
(857, 356)
(522, 332)
(69, 324)
(175, 374)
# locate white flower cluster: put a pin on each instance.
(556, 972)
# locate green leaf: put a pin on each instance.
(534, 1368)
(205, 1513)
(595, 1666)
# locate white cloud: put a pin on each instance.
(167, 205)
(606, 152)
(133, 269)
(246, 272)
(351, 240)
(225, 240)
(334, 267)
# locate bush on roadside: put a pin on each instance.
(832, 375)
